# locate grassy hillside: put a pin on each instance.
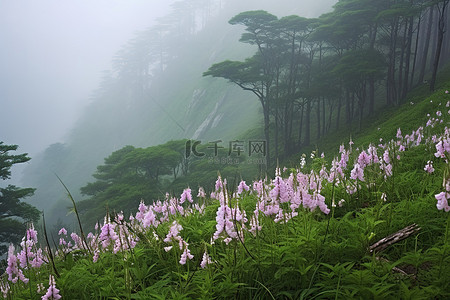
(374, 223)
(410, 115)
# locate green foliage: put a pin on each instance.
(14, 214)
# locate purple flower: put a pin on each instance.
(201, 193)
(429, 167)
(386, 156)
(440, 150)
(242, 186)
(206, 260)
(107, 235)
(13, 270)
(4, 288)
(186, 254)
(150, 219)
(186, 196)
(363, 159)
(174, 231)
(357, 172)
(52, 292)
(219, 183)
(442, 201)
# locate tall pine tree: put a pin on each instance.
(14, 214)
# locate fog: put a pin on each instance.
(52, 55)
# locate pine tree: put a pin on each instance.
(14, 214)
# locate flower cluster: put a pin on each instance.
(276, 200)
(52, 292)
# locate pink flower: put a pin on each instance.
(429, 167)
(201, 193)
(219, 183)
(439, 113)
(62, 231)
(386, 156)
(149, 219)
(254, 224)
(357, 172)
(186, 254)
(13, 270)
(96, 255)
(242, 186)
(442, 203)
(363, 159)
(107, 235)
(52, 292)
(186, 196)
(388, 170)
(440, 150)
(399, 133)
(206, 260)
(4, 288)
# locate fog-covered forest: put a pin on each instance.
(306, 127)
(155, 92)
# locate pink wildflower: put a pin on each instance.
(13, 270)
(107, 235)
(363, 159)
(4, 288)
(357, 172)
(96, 255)
(242, 186)
(399, 133)
(386, 156)
(174, 231)
(186, 254)
(429, 167)
(206, 260)
(62, 231)
(201, 193)
(186, 196)
(442, 203)
(52, 292)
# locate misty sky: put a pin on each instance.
(52, 56)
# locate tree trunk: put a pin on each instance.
(267, 134)
(318, 118)
(440, 38)
(300, 127)
(401, 63)
(338, 117)
(371, 95)
(408, 58)
(426, 46)
(391, 84)
(307, 139)
(323, 117)
(416, 47)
